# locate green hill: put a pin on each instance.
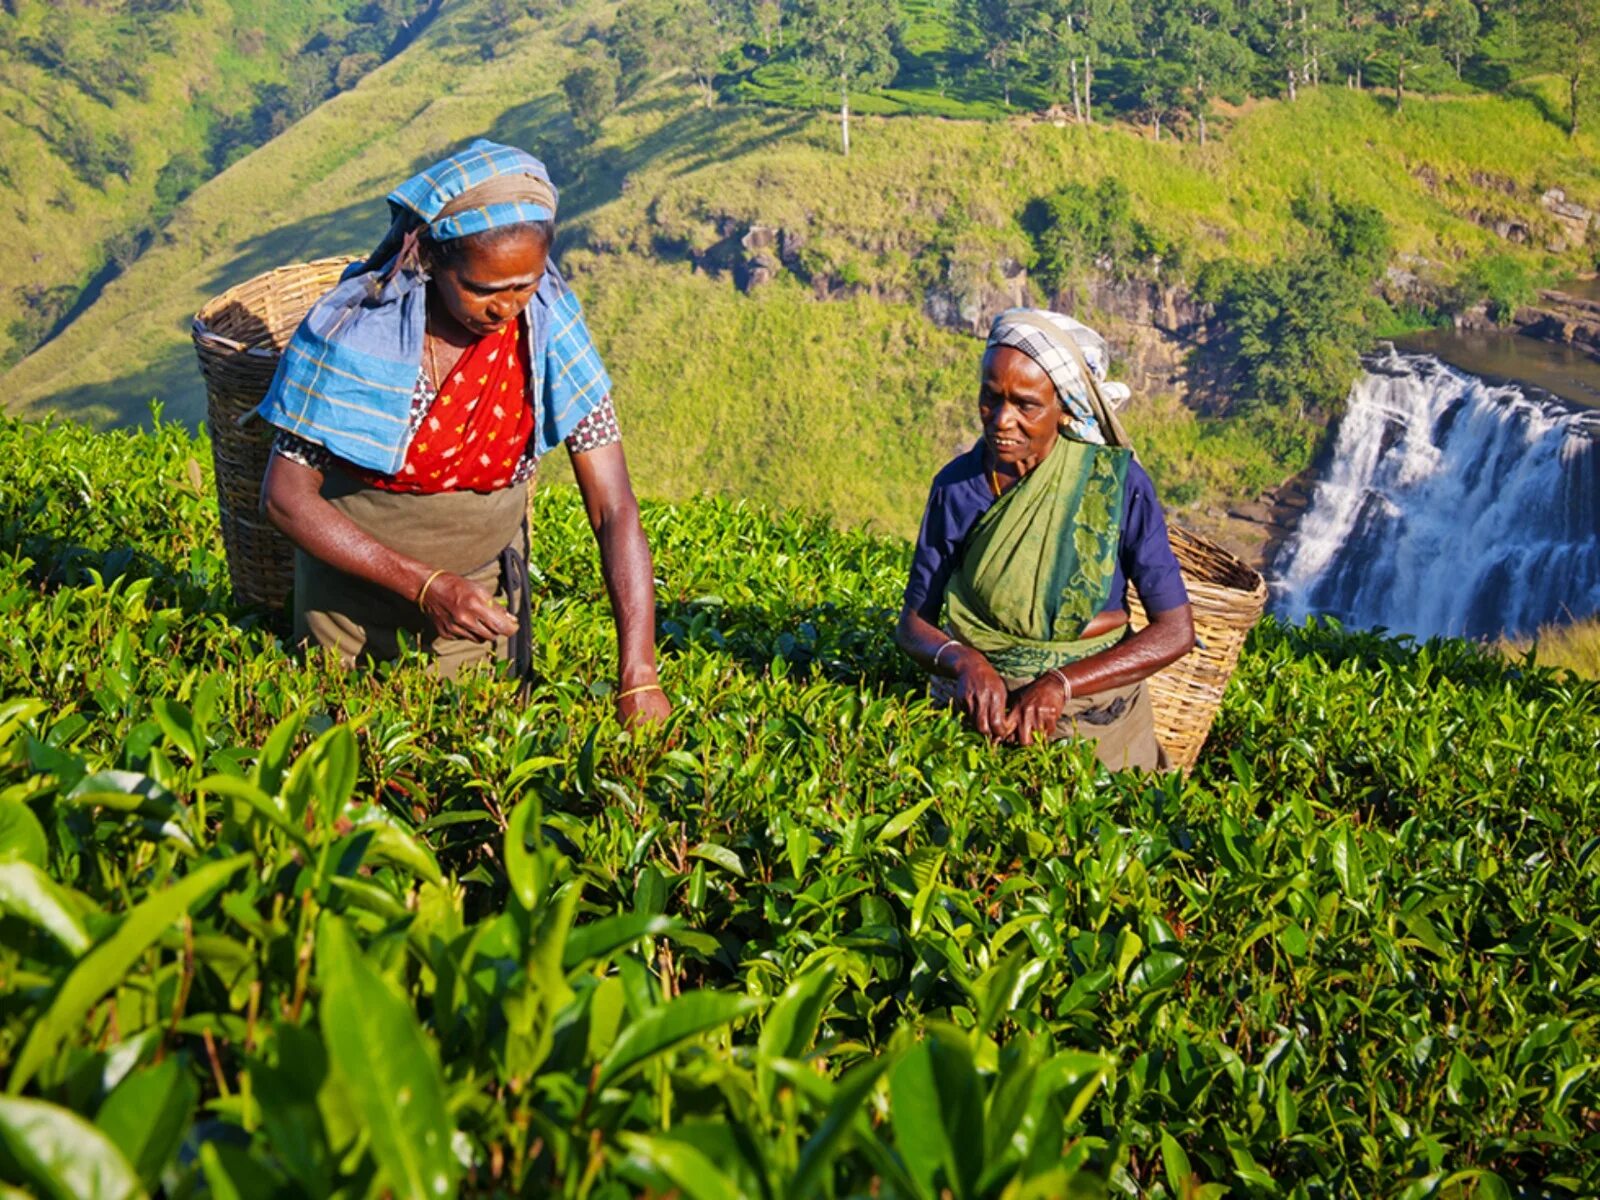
(293, 932)
(869, 396)
(111, 113)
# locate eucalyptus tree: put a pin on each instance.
(1353, 39)
(1455, 30)
(1002, 28)
(1403, 38)
(1564, 36)
(1201, 54)
(1293, 37)
(848, 42)
(1085, 34)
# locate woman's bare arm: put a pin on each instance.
(602, 475)
(980, 692)
(1168, 637)
(291, 498)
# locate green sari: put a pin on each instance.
(1039, 563)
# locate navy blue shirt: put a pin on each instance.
(961, 495)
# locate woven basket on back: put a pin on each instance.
(239, 337)
(1227, 598)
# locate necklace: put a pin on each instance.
(433, 361)
(994, 478)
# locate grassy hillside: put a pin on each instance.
(333, 933)
(869, 398)
(110, 114)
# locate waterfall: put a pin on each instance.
(1452, 506)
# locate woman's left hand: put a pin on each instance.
(648, 707)
(1036, 709)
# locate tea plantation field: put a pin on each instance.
(270, 931)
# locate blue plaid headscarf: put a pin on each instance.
(347, 376)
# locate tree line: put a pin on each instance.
(1164, 62)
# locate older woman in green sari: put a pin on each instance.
(1028, 543)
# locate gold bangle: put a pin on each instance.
(426, 583)
(643, 687)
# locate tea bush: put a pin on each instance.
(271, 930)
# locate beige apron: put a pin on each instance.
(461, 532)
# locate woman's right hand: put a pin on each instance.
(460, 608)
(981, 694)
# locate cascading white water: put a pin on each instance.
(1451, 507)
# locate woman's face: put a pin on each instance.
(487, 283)
(1018, 406)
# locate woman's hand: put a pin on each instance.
(1037, 708)
(647, 707)
(981, 694)
(460, 608)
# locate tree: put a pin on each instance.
(1564, 36)
(765, 18)
(847, 41)
(1455, 30)
(1085, 32)
(1353, 40)
(1400, 38)
(1203, 55)
(1002, 27)
(1294, 37)
(591, 92)
(1292, 329)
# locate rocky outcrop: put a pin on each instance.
(1150, 326)
(1564, 318)
(971, 295)
(1549, 219)
(1574, 222)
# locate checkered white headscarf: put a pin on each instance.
(1059, 345)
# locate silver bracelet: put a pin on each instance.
(1066, 684)
(941, 650)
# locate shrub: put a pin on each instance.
(1078, 228)
(1291, 332)
(273, 929)
(1502, 281)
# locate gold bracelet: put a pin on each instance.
(643, 687)
(426, 583)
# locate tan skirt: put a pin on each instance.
(1120, 722)
(465, 533)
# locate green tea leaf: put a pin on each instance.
(901, 822)
(669, 1025)
(386, 1067)
(21, 835)
(820, 1150)
(62, 1155)
(791, 1022)
(124, 791)
(1180, 1175)
(148, 1114)
(178, 724)
(720, 856)
(102, 968)
(690, 1171)
(524, 867)
(28, 893)
(600, 939)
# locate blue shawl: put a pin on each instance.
(347, 377)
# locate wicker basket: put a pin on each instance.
(1227, 598)
(239, 337)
